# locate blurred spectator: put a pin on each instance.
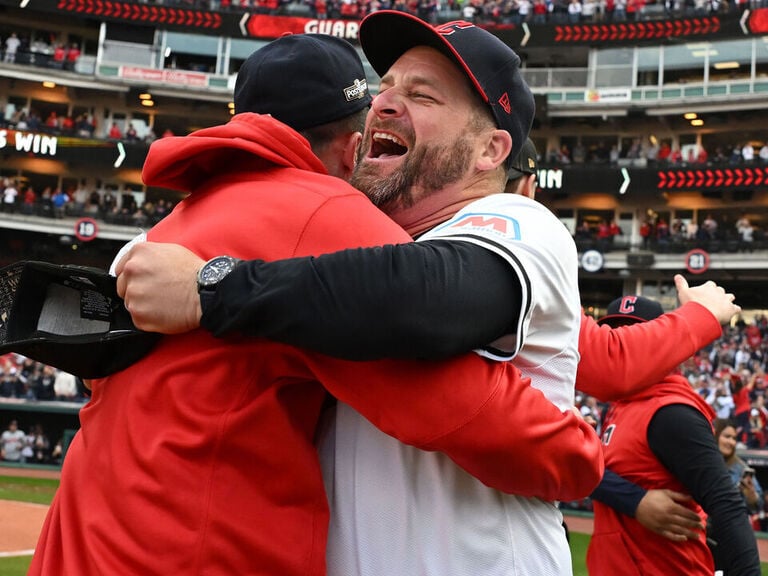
(44, 383)
(59, 56)
(29, 200)
(79, 200)
(583, 232)
(52, 122)
(12, 443)
(59, 202)
(39, 446)
(709, 227)
(84, 127)
(72, 55)
(65, 386)
(10, 194)
(742, 475)
(131, 135)
(646, 233)
(12, 44)
(114, 132)
(740, 390)
(748, 153)
(574, 11)
(763, 154)
(664, 151)
(11, 386)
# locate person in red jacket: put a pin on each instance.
(199, 458)
(662, 437)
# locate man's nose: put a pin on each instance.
(388, 103)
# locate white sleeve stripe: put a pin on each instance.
(525, 283)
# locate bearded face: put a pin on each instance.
(426, 168)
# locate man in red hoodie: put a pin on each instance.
(200, 458)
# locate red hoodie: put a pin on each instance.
(199, 459)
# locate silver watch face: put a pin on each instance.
(215, 270)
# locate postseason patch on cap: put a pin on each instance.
(357, 91)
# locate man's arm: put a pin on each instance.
(614, 361)
(469, 408)
(422, 300)
(681, 438)
(429, 299)
(658, 510)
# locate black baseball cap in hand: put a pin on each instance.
(69, 317)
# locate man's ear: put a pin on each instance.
(495, 150)
(349, 157)
(529, 186)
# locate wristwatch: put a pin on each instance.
(214, 271)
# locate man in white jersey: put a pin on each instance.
(452, 113)
(397, 510)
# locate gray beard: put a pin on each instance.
(431, 168)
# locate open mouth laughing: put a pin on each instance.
(385, 145)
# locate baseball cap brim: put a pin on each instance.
(620, 318)
(514, 174)
(69, 317)
(382, 47)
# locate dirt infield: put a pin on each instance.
(20, 522)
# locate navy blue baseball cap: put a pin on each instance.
(491, 66)
(630, 310)
(303, 80)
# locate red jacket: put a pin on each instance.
(620, 544)
(199, 459)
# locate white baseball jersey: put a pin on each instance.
(400, 511)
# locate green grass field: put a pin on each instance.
(41, 492)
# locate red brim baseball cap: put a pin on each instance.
(491, 66)
(69, 317)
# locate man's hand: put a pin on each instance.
(660, 512)
(713, 297)
(158, 283)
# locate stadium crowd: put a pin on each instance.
(678, 236)
(78, 201)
